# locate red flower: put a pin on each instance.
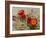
(32, 21)
(21, 14)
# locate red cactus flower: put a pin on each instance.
(32, 21)
(21, 14)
